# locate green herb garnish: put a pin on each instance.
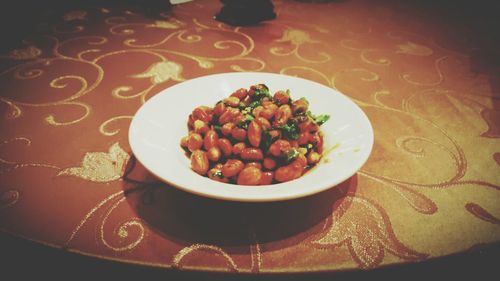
(266, 140)
(318, 119)
(290, 130)
(244, 124)
(261, 91)
(291, 155)
(254, 104)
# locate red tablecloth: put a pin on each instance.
(426, 79)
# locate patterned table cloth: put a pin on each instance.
(429, 85)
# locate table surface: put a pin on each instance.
(427, 80)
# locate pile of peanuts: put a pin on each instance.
(253, 138)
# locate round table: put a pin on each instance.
(427, 80)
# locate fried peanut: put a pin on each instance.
(269, 163)
(282, 115)
(228, 115)
(227, 128)
(203, 113)
(281, 97)
(263, 122)
(313, 157)
(219, 109)
(267, 178)
(252, 153)
(254, 164)
(269, 111)
(216, 174)
(254, 133)
(194, 141)
(225, 146)
(238, 148)
(300, 106)
(210, 140)
(250, 176)
(184, 142)
(239, 134)
(214, 154)
(200, 127)
(199, 162)
(240, 93)
(279, 147)
(232, 167)
(232, 101)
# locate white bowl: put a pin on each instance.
(158, 126)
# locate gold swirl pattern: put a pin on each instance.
(364, 55)
(14, 165)
(104, 126)
(307, 72)
(297, 38)
(414, 49)
(407, 77)
(122, 231)
(162, 71)
(100, 166)
(255, 252)
(75, 15)
(170, 24)
(193, 249)
(30, 52)
(8, 198)
(367, 236)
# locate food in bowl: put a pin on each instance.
(254, 138)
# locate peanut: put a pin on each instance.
(254, 133)
(200, 127)
(203, 113)
(194, 141)
(210, 140)
(199, 162)
(232, 101)
(281, 97)
(252, 154)
(282, 115)
(279, 147)
(267, 178)
(214, 154)
(219, 108)
(232, 167)
(249, 176)
(240, 93)
(225, 146)
(239, 134)
(238, 148)
(313, 157)
(269, 163)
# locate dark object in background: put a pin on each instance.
(245, 12)
(20, 19)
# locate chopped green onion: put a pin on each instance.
(291, 155)
(266, 141)
(290, 130)
(319, 119)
